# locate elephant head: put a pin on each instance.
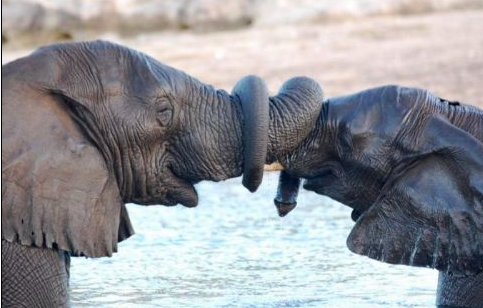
(409, 164)
(90, 126)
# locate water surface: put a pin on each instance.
(234, 251)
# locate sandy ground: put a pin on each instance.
(442, 52)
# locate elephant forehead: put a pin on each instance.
(378, 111)
(118, 68)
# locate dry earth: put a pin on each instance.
(442, 52)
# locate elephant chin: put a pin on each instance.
(185, 195)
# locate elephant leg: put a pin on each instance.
(460, 291)
(34, 277)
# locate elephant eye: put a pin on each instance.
(164, 116)
(164, 110)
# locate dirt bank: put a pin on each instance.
(442, 52)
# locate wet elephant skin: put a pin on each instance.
(410, 165)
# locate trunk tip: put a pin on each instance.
(283, 208)
(252, 180)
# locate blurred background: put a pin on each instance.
(233, 250)
(347, 45)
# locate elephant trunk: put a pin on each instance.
(253, 95)
(274, 126)
(293, 114)
(237, 134)
(288, 189)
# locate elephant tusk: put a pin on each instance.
(273, 167)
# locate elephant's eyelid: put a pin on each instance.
(163, 108)
(162, 103)
(164, 111)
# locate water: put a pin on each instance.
(234, 251)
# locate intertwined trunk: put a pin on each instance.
(238, 133)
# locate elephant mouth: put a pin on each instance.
(180, 190)
(170, 190)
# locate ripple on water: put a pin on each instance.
(234, 251)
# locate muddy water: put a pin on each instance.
(234, 251)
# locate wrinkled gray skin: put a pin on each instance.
(410, 165)
(87, 127)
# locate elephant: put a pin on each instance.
(90, 126)
(410, 165)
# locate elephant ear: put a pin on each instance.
(56, 189)
(430, 212)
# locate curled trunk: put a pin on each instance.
(293, 113)
(253, 95)
(274, 126)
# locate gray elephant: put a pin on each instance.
(90, 126)
(410, 165)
